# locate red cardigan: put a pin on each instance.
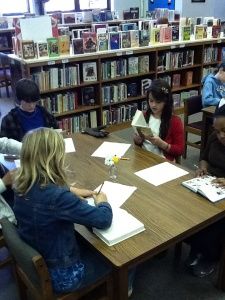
(175, 137)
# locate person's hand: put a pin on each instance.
(101, 197)
(8, 178)
(157, 141)
(138, 139)
(219, 181)
(82, 193)
(201, 171)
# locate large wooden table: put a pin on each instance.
(169, 212)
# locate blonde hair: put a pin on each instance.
(42, 160)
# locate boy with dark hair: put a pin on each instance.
(27, 115)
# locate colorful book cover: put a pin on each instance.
(102, 39)
(143, 63)
(114, 40)
(175, 33)
(132, 65)
(165, 34)
(125, 39)
(155, 35)
(55, 31)
(199, 32)
(185, 33)
(89, 42)
(176, 80)
(42, 49)
(132, 89)
(77, 46)
(216, 29)
(53, 47)
(113, 28)
(144, 37)
(128, 26)
(88, 95)
(134, 11)
(134, 38)
(89, 71)
(64, 45)
(99, 28)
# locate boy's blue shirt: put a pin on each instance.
(46, 217)
(213, 90)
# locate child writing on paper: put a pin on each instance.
(207, 244)
(46, 209)
(167, 129)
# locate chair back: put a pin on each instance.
(192, 105)
(5, 75)
(29, 263)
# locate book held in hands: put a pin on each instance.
(205, 187)
(139, 124)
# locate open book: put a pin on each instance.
(139, 124)
(204, 186)
(123, 226)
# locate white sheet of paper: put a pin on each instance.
(17, 163)
(116, 193)
(69, 145)
(107, 149)
(161, 173)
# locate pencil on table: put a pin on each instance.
(125, 158)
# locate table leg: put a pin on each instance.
(121, 283)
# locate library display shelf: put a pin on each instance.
(106, 88)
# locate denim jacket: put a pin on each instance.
(46, 217)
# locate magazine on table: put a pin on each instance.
(205, 187)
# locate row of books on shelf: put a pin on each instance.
(177, 79)
(59, 103)
(96, 15)
(178, 98)
(119, 92)
(175, 60)
(48, 78)
(125, 66)
(79, 122)
(115, 115)
(91, 42)
(213, 54)
(69, 101)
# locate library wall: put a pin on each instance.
(204, 9)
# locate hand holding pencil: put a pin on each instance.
(100, 196)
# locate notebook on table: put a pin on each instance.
(123, 226)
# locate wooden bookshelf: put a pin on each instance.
(104, 105)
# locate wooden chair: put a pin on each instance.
(5, 75)
(32, 273)
(192, 106)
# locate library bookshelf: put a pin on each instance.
(106, 88)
